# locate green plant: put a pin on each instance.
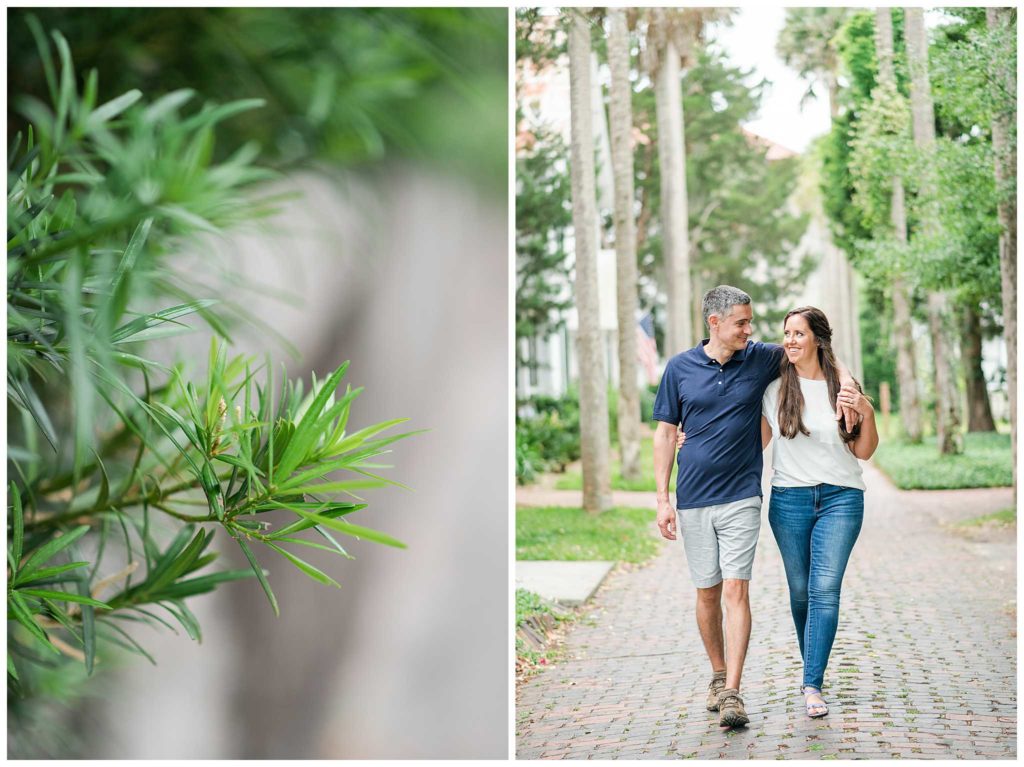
(549, 438)
(341, 85)
(529, 605)
(121, 468)
(528, 461)
(535, 613)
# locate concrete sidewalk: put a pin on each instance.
(924, 664)
(569, 583)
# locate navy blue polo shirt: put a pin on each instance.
(719, 407)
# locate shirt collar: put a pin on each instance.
(738, 356)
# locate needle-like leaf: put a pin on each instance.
(260, 575)
(305, 567)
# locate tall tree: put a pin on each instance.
(670, 38)
(621, 119)
(948, 418)
(906, 365)
(967, 195)
(979, 409)
(594, 440)
(1004, 142)
(805, 43)
(742, 228)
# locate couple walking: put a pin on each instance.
(731, 395)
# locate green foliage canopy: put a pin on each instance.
(345, 85)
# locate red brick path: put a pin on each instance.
(924, 664)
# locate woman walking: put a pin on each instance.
(817, 498)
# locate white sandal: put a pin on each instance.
(814, 710)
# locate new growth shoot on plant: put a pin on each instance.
(121, 469)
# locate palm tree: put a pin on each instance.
(1005, 148)
(906, 365)
(621, 119)
(805, 44)
(923, 114)
(593, 387)
(671, 36)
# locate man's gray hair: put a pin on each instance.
(721, 300)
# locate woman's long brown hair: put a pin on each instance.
(791, 398)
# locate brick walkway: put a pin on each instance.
(924, 664)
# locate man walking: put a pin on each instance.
(714, 391)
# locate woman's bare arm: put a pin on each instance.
(766, 433)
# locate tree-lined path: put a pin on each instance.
(924, 664)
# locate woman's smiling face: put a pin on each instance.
(799, 341)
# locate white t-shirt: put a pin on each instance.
(822, 457)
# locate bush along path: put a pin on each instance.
(924, 664)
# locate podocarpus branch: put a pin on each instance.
(99, 197)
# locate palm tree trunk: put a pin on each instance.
(674, 221)
(979, 409)
(847, 329)
(589, 351)
(947, 405)
(1005, 149)
(621, 119)
(906, 365)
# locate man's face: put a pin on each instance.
(735, 328)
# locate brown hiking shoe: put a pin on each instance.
(715, 689)
(730, 709)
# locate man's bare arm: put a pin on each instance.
(664, 455)
(843, 411)
(864, 446)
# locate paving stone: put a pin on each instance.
(924, 663)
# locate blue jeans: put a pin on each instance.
(815, 528)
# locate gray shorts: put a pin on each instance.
(720, 540)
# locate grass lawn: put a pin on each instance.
(1001, 517)
(985, 462)
(618, 535)
(573, 480)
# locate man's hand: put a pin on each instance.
(844, 411)
(680, 438)
(666, 519)
(851, 398)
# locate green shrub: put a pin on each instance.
(528, 461)
(549, 439)
(647, 395)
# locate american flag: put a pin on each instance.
(646, 349)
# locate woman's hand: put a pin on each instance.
(852, 398)
(680, 438)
